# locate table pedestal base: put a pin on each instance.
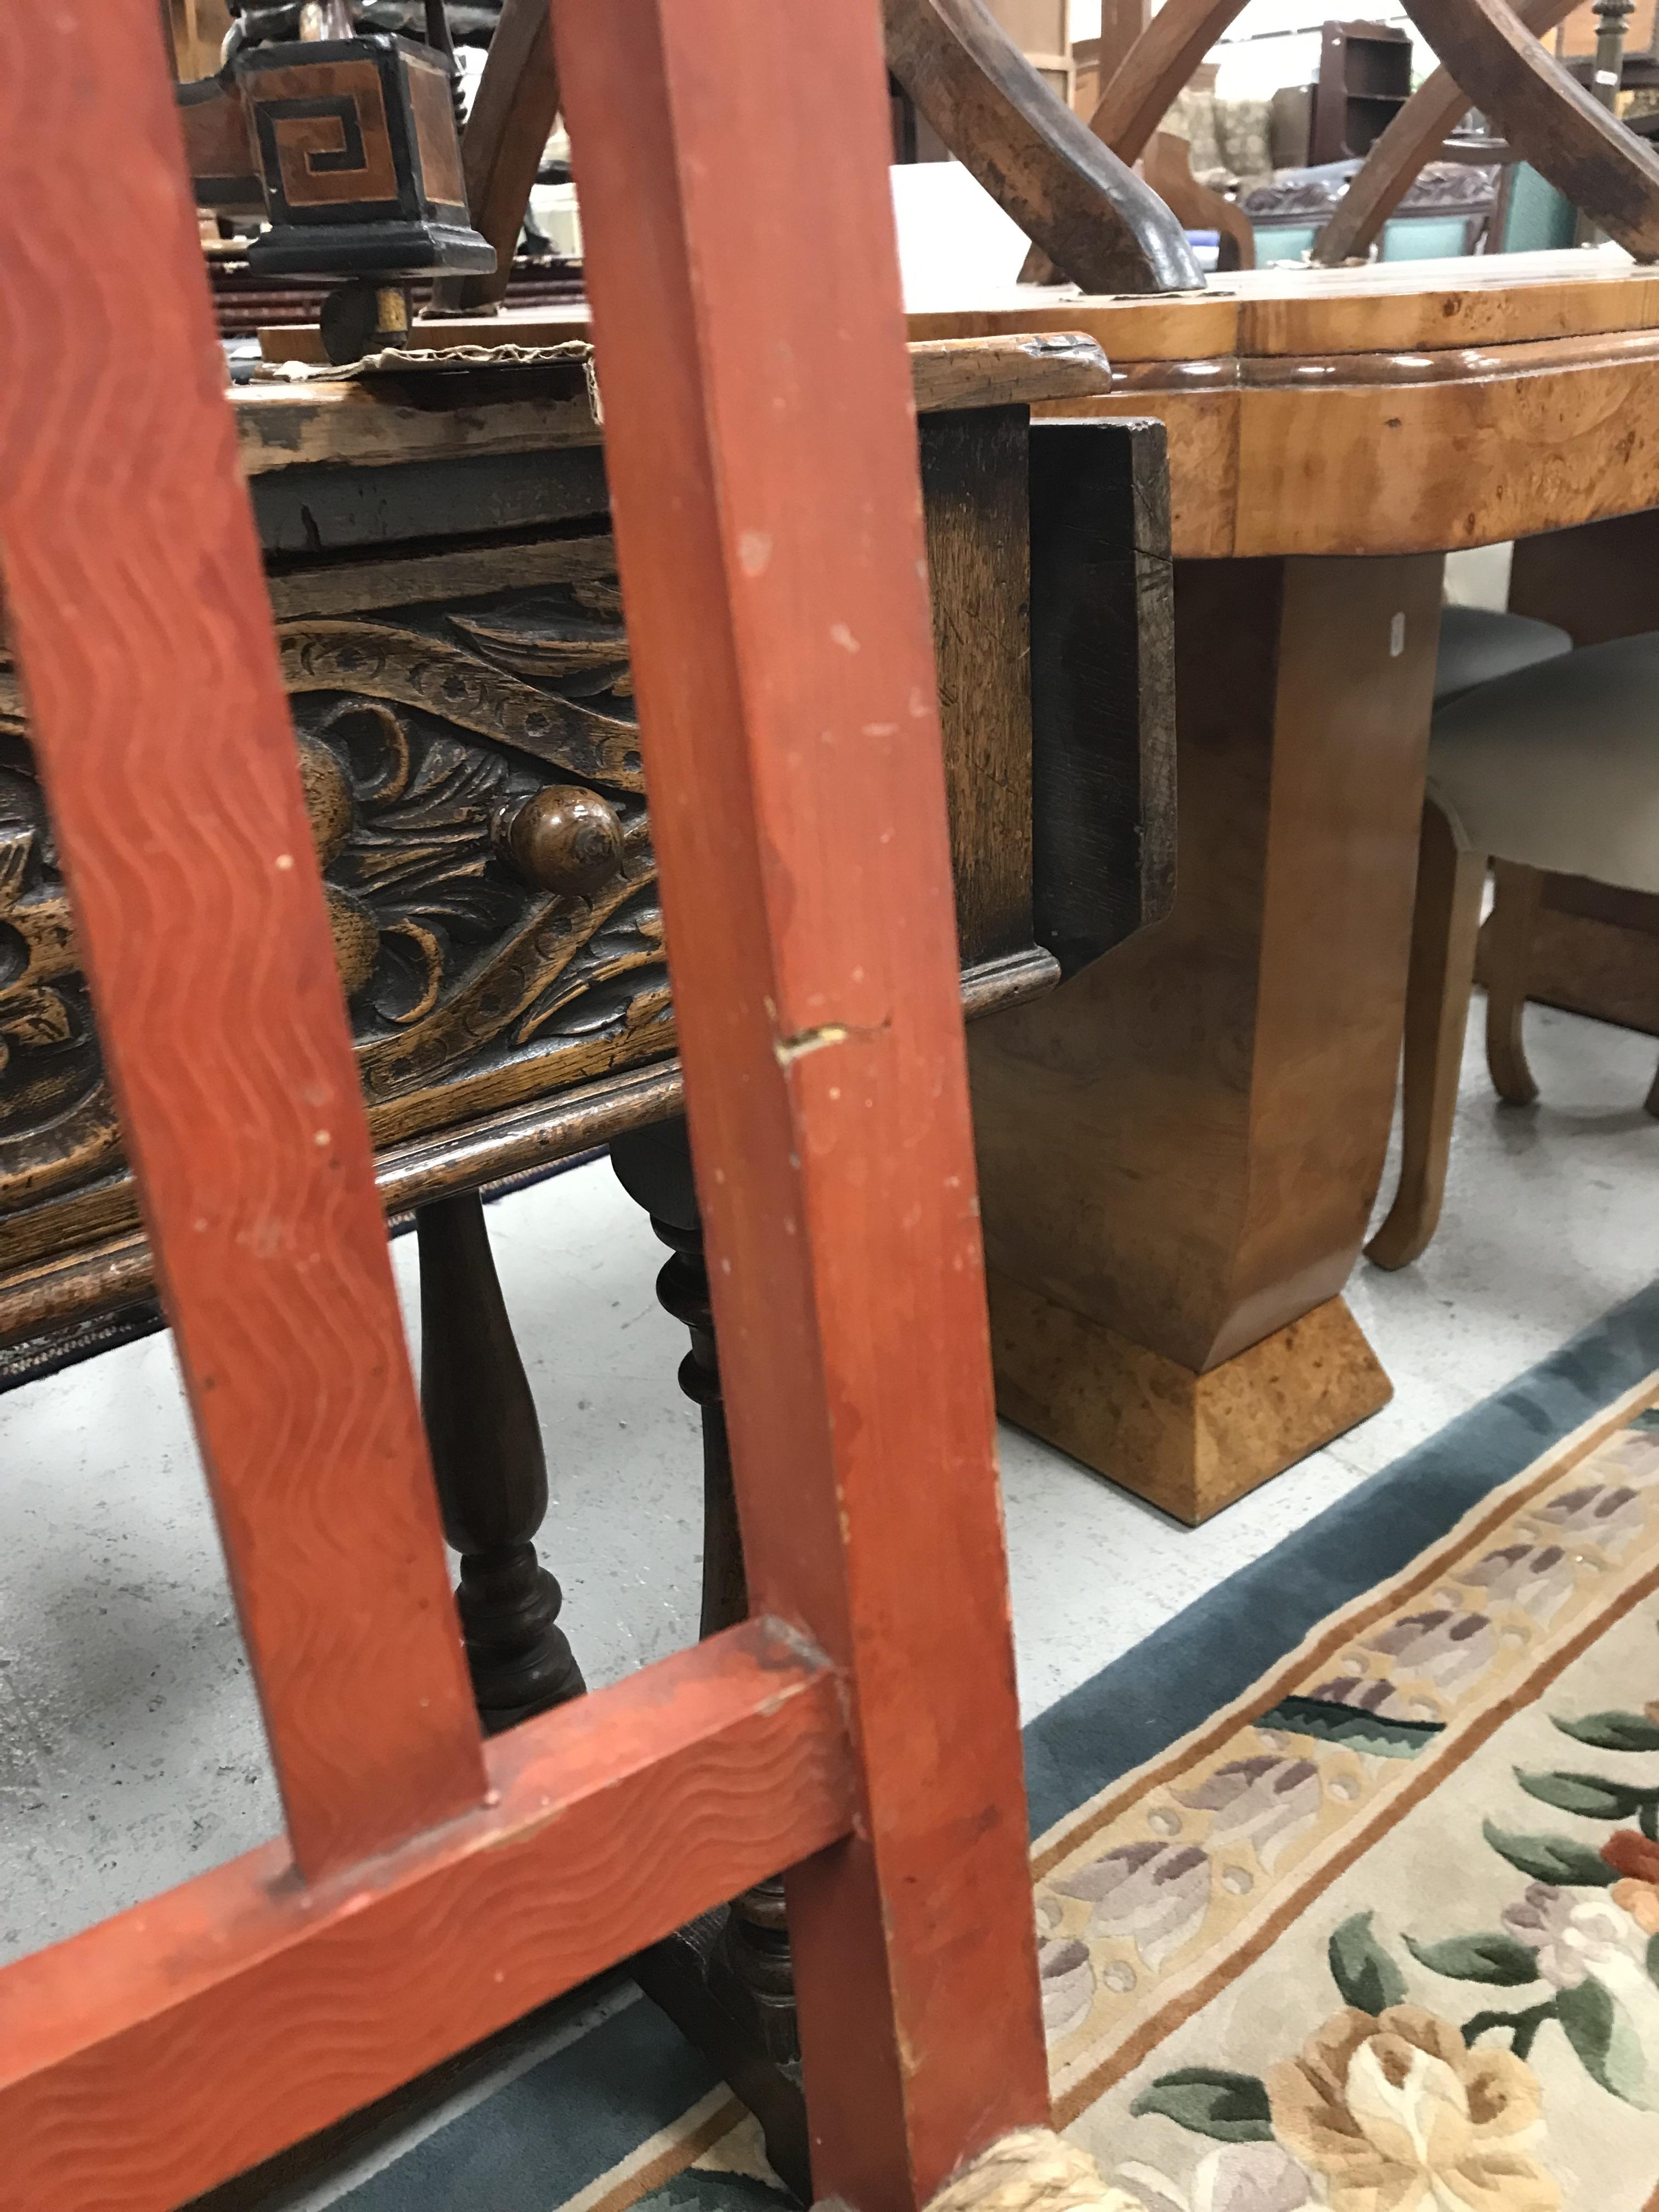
(1179, 1147)
(1189, 1443)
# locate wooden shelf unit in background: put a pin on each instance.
(1365, 80)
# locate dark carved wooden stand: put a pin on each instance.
(726, 1980)
(492, 1471)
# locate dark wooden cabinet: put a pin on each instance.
(1365, 80)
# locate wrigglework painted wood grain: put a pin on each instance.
(1191, 1443)
(1555, 122)
(1414, 137)
(135, 605)
(146, 2060)
(1182, 1142)
(783, 658)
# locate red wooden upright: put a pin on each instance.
(731, 155)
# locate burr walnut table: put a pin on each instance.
(1180, 1147)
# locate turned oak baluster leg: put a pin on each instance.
(727, 1981)
(492, 1475)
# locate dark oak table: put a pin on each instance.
(440, 565)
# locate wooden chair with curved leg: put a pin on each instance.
(1552, 767)
(1608, 172)
(1492, 60)
(1412, 139)
(1088, 211)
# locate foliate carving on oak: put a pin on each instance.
(422, 734)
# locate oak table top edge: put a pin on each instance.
(522, 408)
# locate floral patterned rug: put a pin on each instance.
(1384, 1936)
(1380, 1935)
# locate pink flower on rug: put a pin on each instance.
(1154, 1893)
(1396, 2113)
(1267, 1801)
(1632, 1855)
(1574, 1936)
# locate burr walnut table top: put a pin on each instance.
(1396, 407)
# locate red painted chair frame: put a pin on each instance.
(862, 1731)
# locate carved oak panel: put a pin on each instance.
(422, 732)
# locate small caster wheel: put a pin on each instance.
(364, 317)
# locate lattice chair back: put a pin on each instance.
(860, 1730)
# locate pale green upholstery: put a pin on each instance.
(1557, 764)
(1477, 644)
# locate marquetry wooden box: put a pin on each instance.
(444, 589)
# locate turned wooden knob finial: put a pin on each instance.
(563, 839)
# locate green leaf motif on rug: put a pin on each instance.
(1232, 2107)
(1608, 2047)
(1613, 1731)
(1588, 1794)
(1362, 1971)
(1330, 1721)
(1503, 1961)
(1554, 1859)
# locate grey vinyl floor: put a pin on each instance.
(131, 1751)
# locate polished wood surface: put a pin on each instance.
(1450, 883)
(1187, 1442)
(1182, 1144)
(1594, 950)
(770, 536)
(1166, 166)
(1390, 409)
(1518, 896)
(1138, 94)
(1413, 136)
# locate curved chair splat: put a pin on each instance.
(1151, 76)
(1605, 170)
(1085, 208)
(1412, 139)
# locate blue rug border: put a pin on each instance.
(1212, 1652)
(569, 2119)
